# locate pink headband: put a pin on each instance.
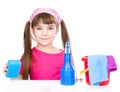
(46, 10)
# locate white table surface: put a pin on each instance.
(52, 86)
(55, 86)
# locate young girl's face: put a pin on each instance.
(45, 33)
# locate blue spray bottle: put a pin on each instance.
(67, 75)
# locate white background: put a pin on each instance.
(93, 26)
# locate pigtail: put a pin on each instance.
(26, 58)
(64, 34)
(65, 38)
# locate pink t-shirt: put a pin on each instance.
(45, 66)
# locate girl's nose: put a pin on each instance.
(44, 32)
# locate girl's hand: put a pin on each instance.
(5, 69)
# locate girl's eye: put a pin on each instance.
(38, 28)
(51, 28)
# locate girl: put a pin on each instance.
(44, 61)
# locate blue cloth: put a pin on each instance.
(98, 69)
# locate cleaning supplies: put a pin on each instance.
(98, 69)
(85, 59)
(13, 68)
(67, 76)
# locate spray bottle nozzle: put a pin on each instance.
(67, 47)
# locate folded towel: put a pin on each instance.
(111, 63)
(98, 69)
